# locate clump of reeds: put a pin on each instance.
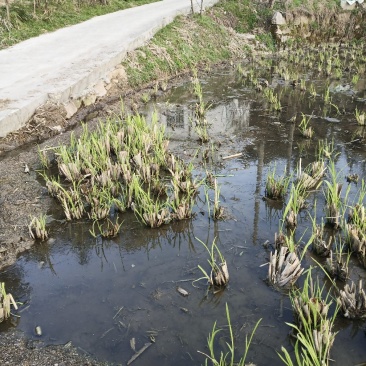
(314, 329)
(219, 273)
(352, 301)
(325, 149)
(107, 229)
(273, 99)
(311, 177)
(295, 203)
(123, 164)
(333, 198)
(305, 129)
(308, 305)
(336, 265)
(276, 187)
(37, 228)
(355, 226)
(320, 244)
(6, 300)
(284, 268)
(201, 107)
(360, 117)
(228, 358)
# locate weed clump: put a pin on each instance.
(123, 164)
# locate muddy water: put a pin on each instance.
(99, 294)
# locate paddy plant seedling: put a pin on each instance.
(106, 229)
(325, 149)
(314, 329)
(284, 268)
(332, 193)
(276, 186)
(355, 79)
(152, 212)
(273, 99)
(218, 210)
(337, 264)
(312, 91)
(37, 228)
(124, 163)
(352, 301)
(6, 301)
(360, 117)
(321, 245)
(201, 107)
(305, 128)
(43, 158)
(219, 273)
(229, 358)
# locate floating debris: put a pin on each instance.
(38, 331)
(139, 353)
(182, 291)
(352, 178)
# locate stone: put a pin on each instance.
(70, 108)
(118, 73)
(278, 19)
(99, 89)
(88, 99)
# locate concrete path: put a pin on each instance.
(63, 64)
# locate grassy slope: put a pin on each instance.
(26, 24)
(195, 41)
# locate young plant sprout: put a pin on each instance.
(37, 228)
(360, 117)
(107, 229)
(336, 265)
(304, 127)
(229, 358)
(6, 301)
(219, 273)
(218, 211)
(314, 328)
(276, 187)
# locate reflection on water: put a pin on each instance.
(102, 293)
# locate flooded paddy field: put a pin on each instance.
(110, 297)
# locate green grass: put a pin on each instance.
(24, 23)
(177, 48)
(228, 358)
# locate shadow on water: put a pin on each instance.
(100, 294)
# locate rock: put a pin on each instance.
(38, 331)
(70, 108)
(118, 73)
(278, 19)
(99, 89)
(88, 99)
